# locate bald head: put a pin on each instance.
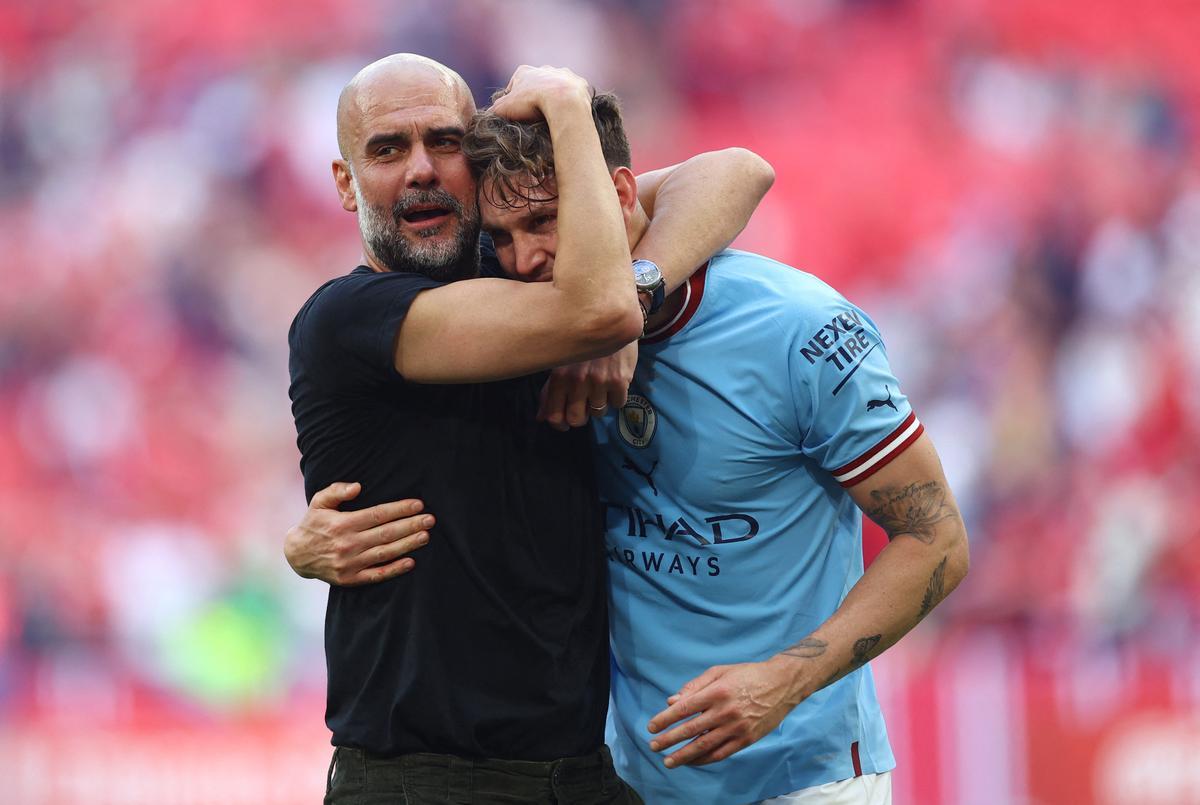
(398, 82)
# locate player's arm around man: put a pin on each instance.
(699, 206)
(729, 707)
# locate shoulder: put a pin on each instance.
(360, 293)
(792, 297)
(362, 282)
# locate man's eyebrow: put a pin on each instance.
(387, 138)
(445, 131)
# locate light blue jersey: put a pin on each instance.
(729, 531)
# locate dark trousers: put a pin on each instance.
(357, 778)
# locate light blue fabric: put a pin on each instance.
(728, 537)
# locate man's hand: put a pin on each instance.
(592, 388)
(531, 88)
(349, 548)
(733, 706)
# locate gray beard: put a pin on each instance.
(443, 260)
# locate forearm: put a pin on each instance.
(592, 264)
(904, 583)
(732, 706)
(698, 207)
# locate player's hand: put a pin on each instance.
(358, 547)
(531, 89)
(729, 707)
(592, 388)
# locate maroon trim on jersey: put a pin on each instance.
(693, 291)
(888, 446)
(854, 758)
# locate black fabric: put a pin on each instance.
(495, 645)
(357, 778)
(489, 264)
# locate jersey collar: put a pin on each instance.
(692, 293)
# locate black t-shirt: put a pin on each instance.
(496, 644)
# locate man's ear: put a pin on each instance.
(626, 184)
(345, 185)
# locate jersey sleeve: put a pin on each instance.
(852, 416)
(345, 334)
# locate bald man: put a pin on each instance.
(374, 111)
(485, 677)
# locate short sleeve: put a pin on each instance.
(344, 335)
(852, 415)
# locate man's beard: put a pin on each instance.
(444, 260)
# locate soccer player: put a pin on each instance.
(487, 675)
(762, 411)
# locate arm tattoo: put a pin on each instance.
(862, 648)
(914, 510)
(936, 589)
(807, 649)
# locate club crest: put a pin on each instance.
(637, 421)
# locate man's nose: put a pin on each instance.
(530, 260)
(420, 170)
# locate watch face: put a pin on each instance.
(646, 273)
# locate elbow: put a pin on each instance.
(757, 171)
(610, 326)
(959, 560)
(625, 323)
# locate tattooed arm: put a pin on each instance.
(925, 559)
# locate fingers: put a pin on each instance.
(392, 533)
(531, 87)
(556, 400)
(708, 748)
(618, 396)
(334, 495)
(703, 681)
(392, 511)
(686, 702)
(374, 575)
(598, 409)
(705, 722)
(382, 554)
(576, 410)
(622, 375)
(685, 707)
(574, 393)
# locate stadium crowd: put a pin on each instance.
(1011, 191)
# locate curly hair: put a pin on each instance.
(514, 161)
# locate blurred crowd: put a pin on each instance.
(1009, 187)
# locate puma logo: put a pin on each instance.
(629, 465)
(873, 404)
